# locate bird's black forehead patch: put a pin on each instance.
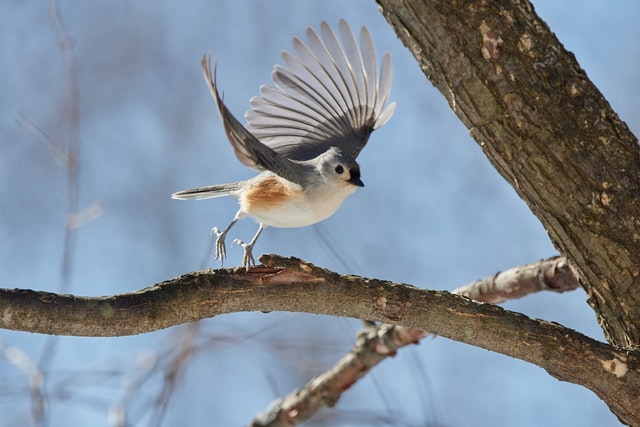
(354, 171)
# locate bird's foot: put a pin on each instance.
(247, 258)
(221, 248)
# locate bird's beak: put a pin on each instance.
(357, 182)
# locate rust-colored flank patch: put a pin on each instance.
(269, 194)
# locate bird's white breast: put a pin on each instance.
(278, 203)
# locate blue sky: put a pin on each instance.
(434, 213)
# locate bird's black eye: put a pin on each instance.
(339, 169)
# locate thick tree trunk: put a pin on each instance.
(549, 132)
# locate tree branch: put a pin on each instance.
(292, 285)
(373, 345)
(549, 132)
(553, 274)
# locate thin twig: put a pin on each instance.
(70, 157)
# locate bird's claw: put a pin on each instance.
(247, 258)
(221, 248)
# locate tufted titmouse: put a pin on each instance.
(304, 133)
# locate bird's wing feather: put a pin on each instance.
(326, 94)
(248, 149)
(216, 190)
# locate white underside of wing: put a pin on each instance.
(327, 93)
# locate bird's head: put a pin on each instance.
(337, 167)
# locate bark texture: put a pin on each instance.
(549, 132)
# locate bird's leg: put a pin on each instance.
(221, 249)
(247, 258)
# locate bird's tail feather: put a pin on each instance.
(217, 190)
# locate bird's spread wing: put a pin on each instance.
(249, 150)
(326, 94)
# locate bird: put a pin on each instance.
(303, 133)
